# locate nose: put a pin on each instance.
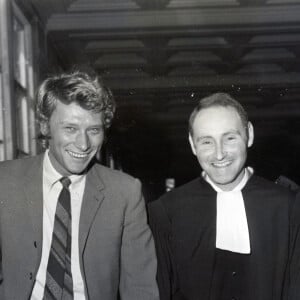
(219, 151)
(83, 141)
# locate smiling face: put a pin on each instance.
(76, 136)
(220, 143)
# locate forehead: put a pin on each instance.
(74, 113)
(217, 119)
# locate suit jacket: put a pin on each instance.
(184, 227)
(117, 254)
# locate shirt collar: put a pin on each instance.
(52, 176)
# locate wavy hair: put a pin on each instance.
(82, 88)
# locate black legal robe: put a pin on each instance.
(183, 223)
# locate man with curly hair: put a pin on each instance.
(70, 227)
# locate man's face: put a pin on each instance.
(220, 143)
(76, 136)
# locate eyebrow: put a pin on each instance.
(233, 132)
(200, 138)
(67, 123)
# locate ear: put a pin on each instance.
(44, 127)
(250, 134)
(192, 144)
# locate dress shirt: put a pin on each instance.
(51, 190)
(232, 226)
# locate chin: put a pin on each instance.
(76, 171)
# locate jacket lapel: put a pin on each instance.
(92, 198)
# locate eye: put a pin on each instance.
(205, 142)
(231, 138)
(96, 130)
(70, 129)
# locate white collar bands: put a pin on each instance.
(232, 226)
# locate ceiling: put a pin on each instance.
(160, 56)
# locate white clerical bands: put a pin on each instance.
(232, 226)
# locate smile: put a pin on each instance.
(221, 164)
(77, 155)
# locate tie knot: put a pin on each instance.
(65, 181)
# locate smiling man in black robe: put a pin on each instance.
(224, 235)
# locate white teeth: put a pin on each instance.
(77, 155)
(221, 165)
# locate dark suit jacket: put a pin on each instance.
(184, 227)
(115, 243)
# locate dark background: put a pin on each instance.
(160, 57)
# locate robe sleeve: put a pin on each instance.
(292, 280)
(166, 267)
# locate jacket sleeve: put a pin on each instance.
(1, 272)
(166, 272)
(138, 262)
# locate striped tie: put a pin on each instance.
(59, 283)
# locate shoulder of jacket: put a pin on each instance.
(109, 174)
